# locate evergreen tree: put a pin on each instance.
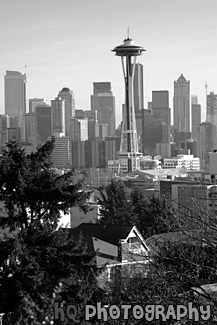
(115, 204)
(39, 256)
(123, 206)
(31, 190)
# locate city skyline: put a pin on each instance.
(64, 46)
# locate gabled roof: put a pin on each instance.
(111, 233)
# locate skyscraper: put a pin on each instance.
(103, 101)
(43, 123)
(15, 94)
(212, 108)
(58, 117)
(60, 155)
(206, 142)
(30, 129)
(4, 125)
(78, 129)
(195, 116)
(161, 110)
(69, 98)
(33, 102)
(181, 104)
(138, 91)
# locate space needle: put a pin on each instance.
(129, 155)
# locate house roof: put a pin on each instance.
(111, 233)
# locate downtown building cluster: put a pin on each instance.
(89, 138)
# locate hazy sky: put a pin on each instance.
(69, 42)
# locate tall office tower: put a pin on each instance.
(138, 90)
(112, 146)
(194, 99)
(91, 153)
(181, 104)
(58, 117)
(43, 123)
(30, 129)
(4, 125)
(102, 131)
(60, 154)
(206, 142)
(77, 154)
(69, 98)
(195, 116)
(33, 102)
(161, 110)
(92, 124)
(15, 93)
(103, 101)
(91, 116)
(78, 129)
(15, 98)
(212, 108)
(129, 155)
(154, 131)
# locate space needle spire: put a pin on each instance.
(129, 155)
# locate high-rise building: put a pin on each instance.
(212, 108)
(206, 142)
(195, 116)
(138, 90)
(60, 154)
(15, 93)
(33, 102)
(78, 129)
(103, 101)
(4, 125)
(30, 129)
(69, 98)
(43, 123)
(161, 110)
(181, 104)
(194, 99)
(154, 131)
(58, 116)
(77, 153)
(102, 131)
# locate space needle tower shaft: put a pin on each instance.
(128, 155)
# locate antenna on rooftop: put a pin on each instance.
(206, 86)
(128, 33)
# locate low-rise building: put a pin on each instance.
(182, 161)
(113, 245)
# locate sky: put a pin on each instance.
(68, 43)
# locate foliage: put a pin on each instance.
(38, 257)
(31, 190)
(149, 214)
(115, 204)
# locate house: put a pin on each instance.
(113, 244)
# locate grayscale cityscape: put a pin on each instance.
(108, 162)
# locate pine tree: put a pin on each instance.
(39, 256)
